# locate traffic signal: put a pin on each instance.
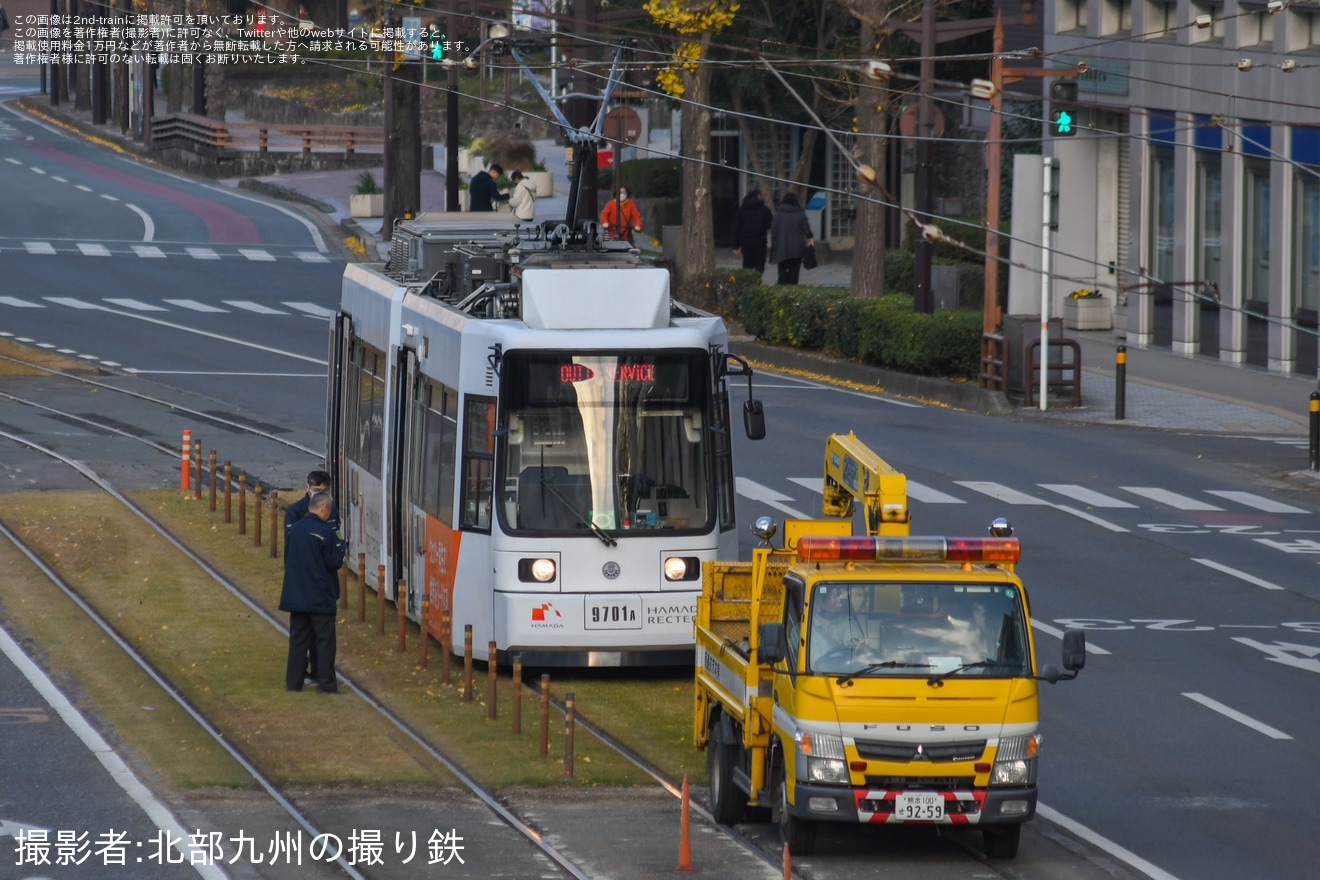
(1063, 108)
(437, 47)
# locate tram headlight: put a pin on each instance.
(682, 568)
(541, 571)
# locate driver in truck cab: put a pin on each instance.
(838, 638)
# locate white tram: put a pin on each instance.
(522, 422)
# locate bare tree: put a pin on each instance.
(873, 122)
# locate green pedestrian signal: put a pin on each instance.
(1062, 123)
(437, 47)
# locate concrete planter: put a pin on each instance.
(544, 181)
(372, 205)
(1087, 314)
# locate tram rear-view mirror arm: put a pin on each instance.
(753, 411)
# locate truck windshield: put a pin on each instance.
(917, 630)
(606, 442)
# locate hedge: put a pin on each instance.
(646, 178)
(882, 332)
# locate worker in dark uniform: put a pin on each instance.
(313, 556)
(317, 481)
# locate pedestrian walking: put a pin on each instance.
(621, 218)
(790, 235)
(482, 192)
(522, 198)
(751, 224)
(314, 553)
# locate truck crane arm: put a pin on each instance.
(853, 472)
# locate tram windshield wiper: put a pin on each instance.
(596, 530)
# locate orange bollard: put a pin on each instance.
(788, 863)
(685, 835)
(185, 475)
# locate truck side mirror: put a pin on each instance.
(1074, 650)
(754, 419)
(774, 644)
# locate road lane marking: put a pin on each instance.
(1240, 575)
(12, 160)
(120, 772)
(927, 495)
(1084, 495)
(311, 257)
(70, 302)
(39, 247)
(256, 255)
(1259, 502)
(148, 250)
(1170, 499)
(80, 186)
(197, 306)
(20, 303)
(248, 305)
(754, 491)
(1058, 634)
(1096, 839)
(148, 226)
(311, 308)
(108, 197)
(1091, 518)
(93, 249)
(200, 253)
(139, 305)
(1216, 706)
(35, 170)
(1001, 493)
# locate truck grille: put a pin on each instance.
(970, 750)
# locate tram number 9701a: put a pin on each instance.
(614, 612)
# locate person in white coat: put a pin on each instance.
(522, 198)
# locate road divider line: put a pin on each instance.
(1058, 634)
(1240, 575)
(1091, 518)
(1258, 726)
(149, 226)
(1131, 859)
(754, 491)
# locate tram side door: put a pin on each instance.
(400, 491)
(412, 559)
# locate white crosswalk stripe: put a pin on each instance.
(196, 306)
(248, 305)
(156, 252)
(93, 249)
(1001, 493)
(135, 304)
(39, 247)
(70, 302)
(150, 251)
(1259, 502)
(201, 253)
(311, 257)
(1170, 499)
(20, 303)
(311, 309)
(256, 255)
(1084, 495)
(927, 495)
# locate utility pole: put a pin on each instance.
(403, 141)
(923, 300)
(451, 125)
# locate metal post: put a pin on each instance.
(256, 512)
(1046, 270)
(1120, 383)
(229, 488)
(242, 503)
(451, 127)
(197, 470)
(1315, 430)
(213, 481)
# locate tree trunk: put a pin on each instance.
(403, 145)
(868, 273)
(698, 223)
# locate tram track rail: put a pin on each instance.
(485, 796)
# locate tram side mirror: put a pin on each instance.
(754, 419)
(774, 644)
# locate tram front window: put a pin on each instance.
(608, 442)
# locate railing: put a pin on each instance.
(1070, 371)
(994, 362)
(214, 135)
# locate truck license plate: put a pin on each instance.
(920, 805)
(619, 611)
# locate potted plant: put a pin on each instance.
(1086, 310)
(544, 180)
(368, 199)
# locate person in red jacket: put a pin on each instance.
(621, 218)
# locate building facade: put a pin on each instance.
(1190, 195)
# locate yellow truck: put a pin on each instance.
(878, 679)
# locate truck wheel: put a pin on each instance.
(725, 801)
(799, 834)
(1001, 841)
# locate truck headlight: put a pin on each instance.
(1015, 762)
(821, 758)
